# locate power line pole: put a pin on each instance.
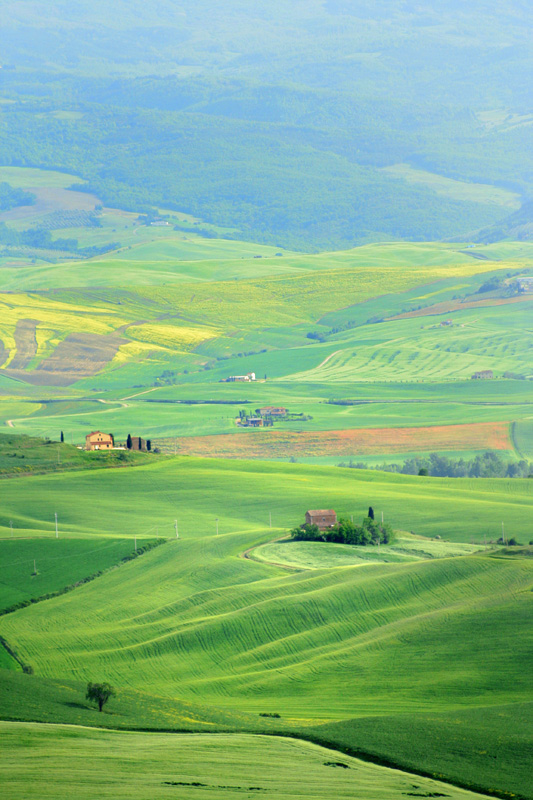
(176, 445)
(58, 456)
(57, 532)
(176, 526)
(135, 543)
(217, 525)
(503, 533)
(270, 518)
(11, 526)
(382, 517)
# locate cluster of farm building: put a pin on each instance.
(97, 440)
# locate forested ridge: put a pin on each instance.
(276, 120)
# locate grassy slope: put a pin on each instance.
(194, 621)
(138, 765)
(60, 563)
(28, 454)
(311, 646)
(197, 491)
(317, 555)
(239, 636)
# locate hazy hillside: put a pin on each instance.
(276, 119)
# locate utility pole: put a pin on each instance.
(270, 518)
(176, 526)
(135, 543)
(11, 526)
(217, 525)
(503, 533)
(176, 445)
(382, 517)
(58, 456)
(57, 532)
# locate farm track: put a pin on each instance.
(248, 554)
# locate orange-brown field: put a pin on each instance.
(369, 441)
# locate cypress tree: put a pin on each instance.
(62, 437)
(371, 512)
(128, 441)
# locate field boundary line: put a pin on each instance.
(248, 554)
(88, 579)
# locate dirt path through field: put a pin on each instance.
(336, 353)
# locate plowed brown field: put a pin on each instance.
(369, 441)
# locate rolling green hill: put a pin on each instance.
(194, 622)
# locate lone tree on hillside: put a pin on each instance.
(128, 441)
(371, 512)
(99, 693)
(62, 437)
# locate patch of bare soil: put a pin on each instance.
(78, 356)
(4, 353)
(81, 355)
(456, 305)
(25, 343)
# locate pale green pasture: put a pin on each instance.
(156, 256)
(27, 178)
(60, 761)
(523, 436)
(322, 555)
(458, 190)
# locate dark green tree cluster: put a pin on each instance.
(39, 238)
(347, 532)
(485, 465)
(11, 197)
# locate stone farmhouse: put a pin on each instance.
(484, 375)
(324, 518)
(96, 440)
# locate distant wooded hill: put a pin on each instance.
(277, 118)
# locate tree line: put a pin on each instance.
(485, 465)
